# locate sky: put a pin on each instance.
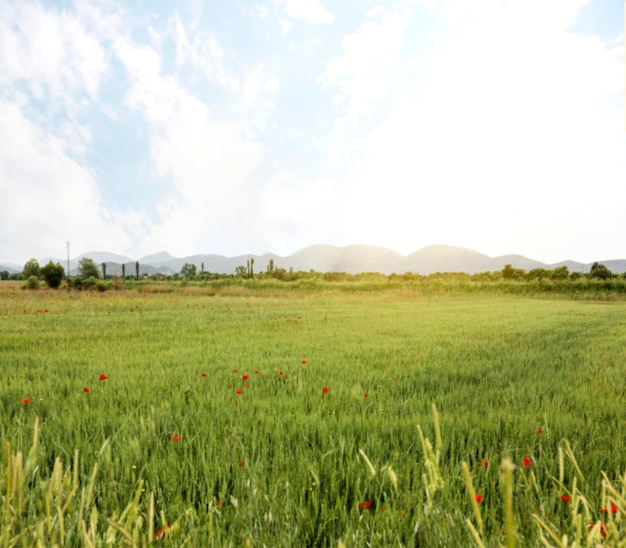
(253, 126)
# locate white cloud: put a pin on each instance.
(363, 72)
(48, 197)
(302, 210)
(209, 160)
(505, 146)
(52, 53)
(307, 10)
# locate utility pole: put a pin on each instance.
(67, 244)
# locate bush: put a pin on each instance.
(53, 274)
(32, 283)
(89, 283)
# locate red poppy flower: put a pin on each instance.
(240, 463)
(366, 395)
(484, 463)
(539, 430)
(527, 462)
(203, 374)
(326, 390)
(479, 498)
(26, 401)
(256, 372)
(239, 392)
(175, 438)
(303, 362)
(565, 498)
(85, 390)
(161, 532)
(365, 505)
(602, 529)
(235, 371)
(102, 378)
(606, 511)
(131, 310)
(244, 377)
(280, 372)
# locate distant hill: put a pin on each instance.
(327, 258)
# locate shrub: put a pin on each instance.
(32, 283)
(53, 274)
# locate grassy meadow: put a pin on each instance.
(311, 418)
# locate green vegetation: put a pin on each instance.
(254, 415)
(53, 274)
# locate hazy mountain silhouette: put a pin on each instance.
(327, 258)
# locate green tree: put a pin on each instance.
(270, 266)
(188, 270)
(137, 270)
(4, 275)
(104, 270)
(560, 273)
(53, 274)
(31, 268)
(123, 270)
(510, 273)
(600, 272)
(87, 268)
(240, 271)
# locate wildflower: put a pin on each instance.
(326, 390)
(484, 463)
(602, 529)
(366, 395)
(303, 362)
(161, 532)
(102, 378)
(256, 372)
(527, 462)
(244, 377)
(235, 371)
(239, 392)
(280, 372)
(565, 498)
(26, 401)
(479, 498)
(539, 430)
(240, 463)
(604, 510)
(203, 374)
(175, 438)
(366, 504)
(85, 390)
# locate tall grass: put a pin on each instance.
(430, 401)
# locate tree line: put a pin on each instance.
(91, 276)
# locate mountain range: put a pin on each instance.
(327, 258)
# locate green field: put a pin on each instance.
(320, 444)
